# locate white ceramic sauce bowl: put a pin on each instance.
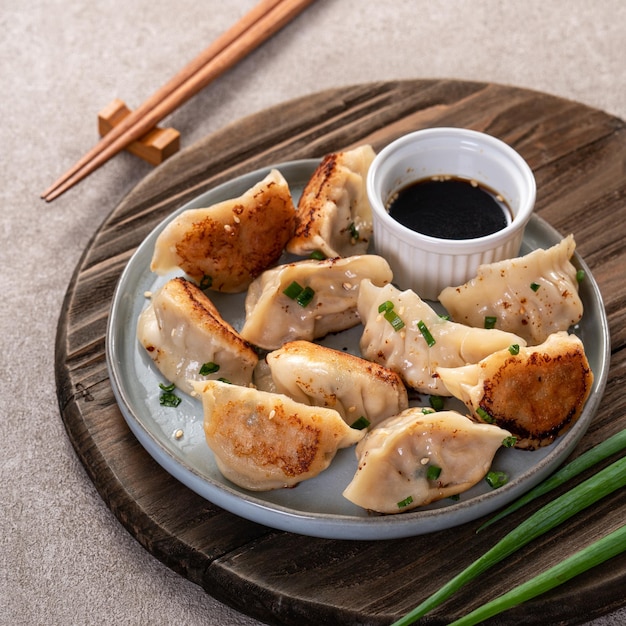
(428, 264)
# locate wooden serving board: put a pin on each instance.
(578, 155)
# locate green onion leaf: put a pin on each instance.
(317, 255)
(206, 282)
(496, 478)
(305, 296)
(594, 554)
(209, 368)
(535, 286)
(385, 306)
(360, 423)
(582, 496)
(224, 380)
(580, 275)
(588, 459)
(169, 387)
(485, 416)
(354, 232)
(169, 399)
(430, 340)
(293, 291)
(514, 349)
(433, 471)
(394, 319)
(509, 442)
(405, 502)
(490, 321)
(436, 402)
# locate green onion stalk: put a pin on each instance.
(596, 553)
(549, 516)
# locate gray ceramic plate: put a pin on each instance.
(315, 507)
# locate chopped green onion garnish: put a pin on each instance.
(588, 459)
(405, 502)
(430, 341)
(514, 348)
(169, 399)
(490, 321)
(485, 416)
(509, 442)
(170, 387)
(394, 319)
(445, 316)
(534, 286)
(580, 275)
(317, 255)
(582, 496)
(209, 368)
(293, 291)
(427, 411)
(433, 471)
(354, 232)
(496, 478)
(305, 296)
(436, 402)
(385, 306)
(206, 282)
(360, 423)
(224, 380)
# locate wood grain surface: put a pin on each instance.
(578, 155)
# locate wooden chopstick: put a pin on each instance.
(258, 25)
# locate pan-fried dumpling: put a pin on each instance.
(334, 215)
(321, 298)
(225, 246)
(362, 392)
(421, 456)
(532, 296)
(264, 441)
(182, 330)
(537, 393)
(406, 335)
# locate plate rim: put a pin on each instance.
(333, 525)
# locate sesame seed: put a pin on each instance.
(272, 414)
(228, 228)
(147, 294)
(425, 461)
(236, 219)
(179, 433)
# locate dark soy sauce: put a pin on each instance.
(449, 208)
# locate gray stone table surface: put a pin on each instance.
(64, 557)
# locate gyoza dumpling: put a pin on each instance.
(532, 296)
(406, 335)
(418, 457)
(225, 246)
(362, 392)
(182, 330)
(264, 441)
(537, 393)
(334, 215)
(274, 317)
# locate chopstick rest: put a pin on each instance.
(154, 147)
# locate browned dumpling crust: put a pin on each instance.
(226, 246)
(537, 394)
(181, 329)
(334, 215)
(357, 389)
(263, 441)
